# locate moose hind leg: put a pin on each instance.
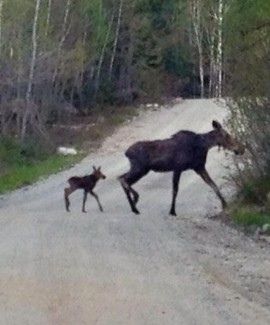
(130, 178)
(127, 190)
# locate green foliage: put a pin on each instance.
(25, 174)
(177, 60)
(247, 32)
(255, 191)
(22, 164)
(249, 216)
(15, 153)
(247, 52)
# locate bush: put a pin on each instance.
(255, 191)
(14, 153)
(249, 216)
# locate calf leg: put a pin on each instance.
(84, 200)
(96, 197)
(68, 191)
(205, 176)
(176, 178)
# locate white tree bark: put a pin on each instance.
(211, 43)
(1, 10)
(220, 48)
(212, 66)
(116, 36)
(101, 58)
(64, 33)
(31, 72)
(48, 19)
(195, 10)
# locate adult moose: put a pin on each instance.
(184, 150)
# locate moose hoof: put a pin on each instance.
(136, 211)
(136, 198)
(172, 213)
(224, 205)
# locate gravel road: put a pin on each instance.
(59, 268)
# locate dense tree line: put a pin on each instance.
(57, 56)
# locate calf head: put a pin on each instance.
(97, 172)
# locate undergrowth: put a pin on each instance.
(23, 164)
(253, 203)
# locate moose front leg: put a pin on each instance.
(176, 178)
(208, 180)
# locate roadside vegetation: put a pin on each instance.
(249, 88)
(24, 163)
(71, 71)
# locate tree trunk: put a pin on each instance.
(211, 44)
(116, 37)
(195, 10)
(48, 19)
(1, 10)
(64, 34)
(31, 73)
(220, 48)
(101, 58)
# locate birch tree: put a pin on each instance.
(195, 8)
(220, 48)
(48, 18)
(116, 36)
(31, 72)
(64, 33)
(1, 9)
(101, 58)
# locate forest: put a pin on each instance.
(62, 57)
(58, 56)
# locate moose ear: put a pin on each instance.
(94, 168)
(216, 125)
(99, 167)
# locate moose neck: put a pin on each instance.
(210, 139)
(94, 178)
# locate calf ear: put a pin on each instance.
(94, 168)
(99, 168)
(216, 125)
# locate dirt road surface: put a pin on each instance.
(59, 268)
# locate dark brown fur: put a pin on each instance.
(184, 150)
(86, 183)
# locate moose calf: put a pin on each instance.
(86, 183)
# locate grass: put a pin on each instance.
(25, 174)
(255, 191)
(253, 207)
(22, 165)
(248, 217)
